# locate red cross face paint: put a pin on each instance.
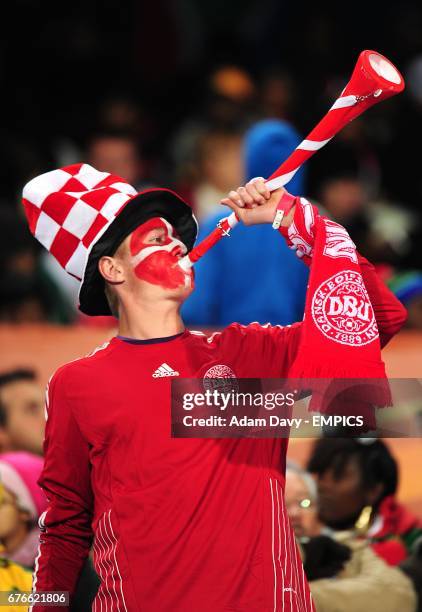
(155, 250)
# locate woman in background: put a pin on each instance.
(357, 483)
(22, 503)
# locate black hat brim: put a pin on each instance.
(142, 207)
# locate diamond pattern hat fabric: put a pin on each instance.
(80, 214)
(68, 208)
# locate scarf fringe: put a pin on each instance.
(335, 391)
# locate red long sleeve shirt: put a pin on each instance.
(178, 525)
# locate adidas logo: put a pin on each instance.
(164, 370)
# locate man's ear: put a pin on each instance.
(111, 270)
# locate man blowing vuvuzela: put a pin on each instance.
(180, 525)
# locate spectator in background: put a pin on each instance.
(380, 229)
(342, 195)
(226, 105)
(226, 276)
(343, 572)
(22, 504)
(28, 292)
(219, 167)
(301, 499)
(118, 152)
(22, 419)
(277, 95)
(122, 113)
(391, 235)
(230, 96)
(116, 114)
(22, 423)
(357, 483)
(15, 579)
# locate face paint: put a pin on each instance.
(156, 262)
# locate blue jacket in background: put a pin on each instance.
(251, 276)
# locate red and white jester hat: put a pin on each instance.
(80, 214)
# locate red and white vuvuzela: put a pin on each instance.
(374, 79)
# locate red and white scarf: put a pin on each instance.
(339, 338)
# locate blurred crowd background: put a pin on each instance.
(200, 97)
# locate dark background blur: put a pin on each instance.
(160, 73)
(61, 62)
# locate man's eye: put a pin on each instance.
(156, 239)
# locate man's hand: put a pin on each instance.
(255, 203)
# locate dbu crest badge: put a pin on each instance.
(342, 311)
